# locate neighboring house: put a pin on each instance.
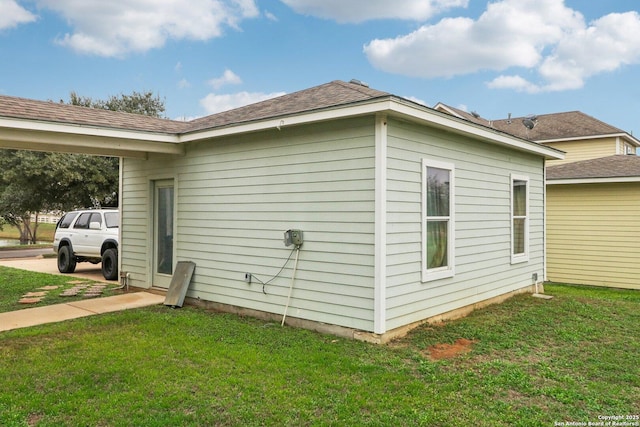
(593, 196)
(579, 135)
(593, 228)
(407, 214)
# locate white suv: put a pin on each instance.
(88, 235)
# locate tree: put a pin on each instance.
(33, 182)
(145, 103)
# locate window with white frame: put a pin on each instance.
(437, 220)
(519, 218)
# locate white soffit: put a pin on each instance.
(45, 136)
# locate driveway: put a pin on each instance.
(84, 270)
(24, 253)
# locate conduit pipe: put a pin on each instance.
(293, 277)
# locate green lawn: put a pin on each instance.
(532, 363)
(45, 232)
(16, 283)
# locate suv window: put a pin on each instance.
(67, 219)
(112, 219)
(83, 220)
(96, 217)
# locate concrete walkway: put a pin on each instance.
(73, 310)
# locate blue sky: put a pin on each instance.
(204, 56)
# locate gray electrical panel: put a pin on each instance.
(293, 237)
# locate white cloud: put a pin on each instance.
(513, 82)
(363, 10)
(184, 84)
(416, 100)
(118, 27)
(214, 103)
(12, 14)
(543, 36)
(227, 78)
(270, 16)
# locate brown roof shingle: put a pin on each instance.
(617, 166)
(331, 94)
(50, 111)
(327, 95)
(571, 124)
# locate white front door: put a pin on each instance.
(163, 229)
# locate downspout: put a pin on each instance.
(380, 226)
(124, 278)
(544, 222)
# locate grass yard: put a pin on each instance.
(529, 362)
(45, 232)
(15, 283)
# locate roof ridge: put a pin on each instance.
(358, 87)
(326, 95)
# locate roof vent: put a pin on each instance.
(359, 82)
(475, 114)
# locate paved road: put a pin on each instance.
(24, 253)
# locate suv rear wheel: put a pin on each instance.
(110, 264)
(66, 260)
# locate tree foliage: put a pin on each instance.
(146, 103)
(33, 182)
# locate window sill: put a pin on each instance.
(430, 276)
(519, 259)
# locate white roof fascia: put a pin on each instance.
(392, 105)
(466, 127)
(17, 133)
(611, 180)
(282, 122)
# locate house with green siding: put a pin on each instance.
(405, 214)
(593, 196)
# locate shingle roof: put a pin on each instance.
(331, 94)
(617, 166)
(49, 111)
(571, 124)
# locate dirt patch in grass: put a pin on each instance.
(34, 419)
(449, 351)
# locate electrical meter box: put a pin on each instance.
(293, 237)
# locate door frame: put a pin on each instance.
(160, 280)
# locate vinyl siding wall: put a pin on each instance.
(483, 266)
(594, 234)
(135, 212)
(586, 149)
(235, 198)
